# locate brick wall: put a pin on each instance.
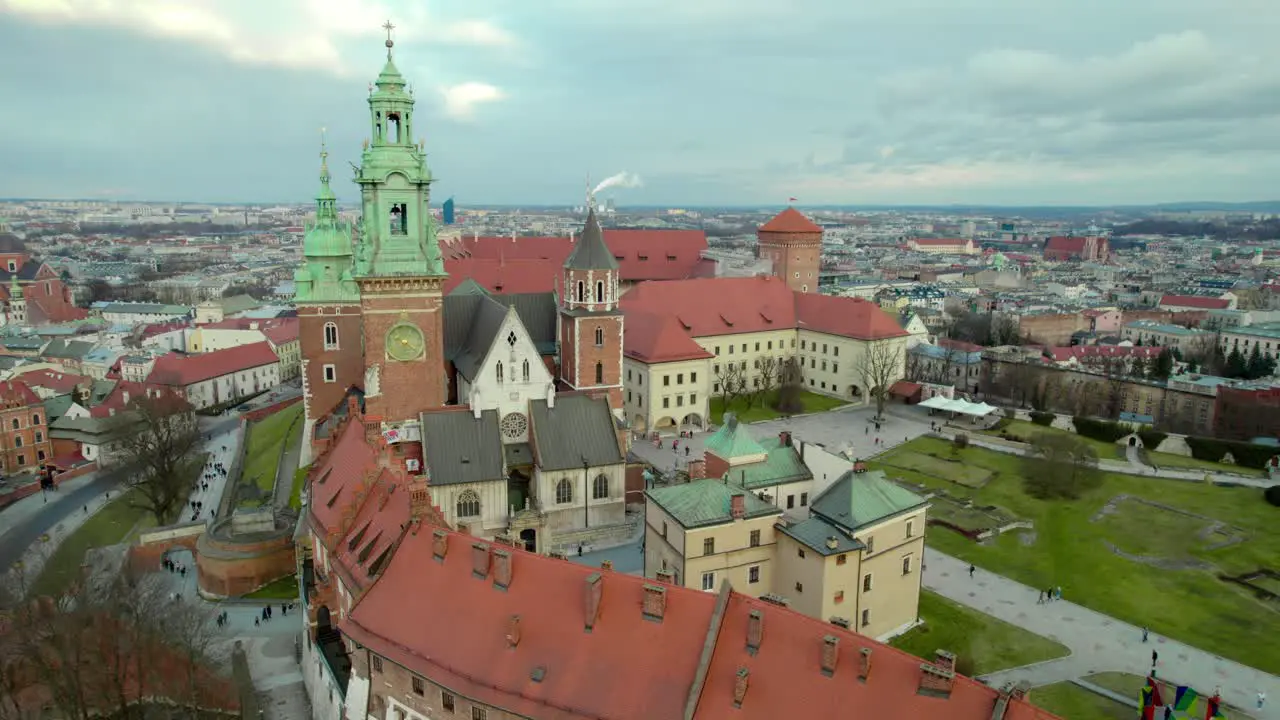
(227, 569)
(260, 413)
(348, 359)
(793, 253)
(406, 389)
(394, 685)
(33, 487)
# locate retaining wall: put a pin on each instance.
(33, 487)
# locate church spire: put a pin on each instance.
(326, 201)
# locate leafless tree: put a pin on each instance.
(881, 366)
(790, 387)
(768, 371)
(1004, 330)
(731, 381)
(159, 440)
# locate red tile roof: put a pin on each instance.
(940, 241)
(56, 380)
(125, 392)
(1195, 301)
(281, 331)
(337, 474)
(846, 317)
(507, 277)
(181, 370)
(1065, 244)
(658, 338)
(15, 393)
(626, 665)
(790, 220)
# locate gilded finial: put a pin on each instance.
(390, 43)
(365, 144)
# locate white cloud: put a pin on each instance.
(460, 101)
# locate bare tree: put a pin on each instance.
(731, 381)
(768, 370)
(881, 366)
(159, 440)
(1004, 330)
(790, 387)
(1059, 466)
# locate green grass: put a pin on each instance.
(1072, 702)
(989, 644)
(1068, 550)
(763, 407)
(1128, 685)
(1180, 462)
(285, 588)
(267, 439)
(953, 470)
(110, 525)
(1023, 429)
(295, 494)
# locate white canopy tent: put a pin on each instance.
(964, 407)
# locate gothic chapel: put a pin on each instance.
(509, 404)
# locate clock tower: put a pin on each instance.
(590, 327)
(398, 264)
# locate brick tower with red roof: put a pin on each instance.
(794, 243)
(590, 329)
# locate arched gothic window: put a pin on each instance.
(526, 370)
(600, 487)
(599, 373)
(498, 371)
(564, 492)
(582, 291)
(468, 504)
(599, 291)
(599, 336)
(330, 336)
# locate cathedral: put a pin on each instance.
(509, 404)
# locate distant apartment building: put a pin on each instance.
(1086, 249)
(1050, 328)
(1264, 336)
(220, 377)
(1146, 332)
(1227, 301)
(24, 431)
(132, 313)
(943, 246)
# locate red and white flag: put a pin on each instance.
(791, 199)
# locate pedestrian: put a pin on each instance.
(86, 509)
(1048, 595)
(1144, 634)
(867, 430)
(971, 569)
(255, 622)
(183, 572)
(579, 549)
(686, 451)
(1040, 600)
(1155, 657)
(1262, 699)
(284, 608)
(1168, 712)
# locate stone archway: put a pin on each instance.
(665, 422)
(692, 420)
(639, 424)
(856, 393)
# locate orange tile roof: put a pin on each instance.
(658, 338)
(379, 521)
(125, 392)
(282, 330)
(1195, 301)
(337, 475)
(790, 220)
(56, 380)
(15, 393)
(182, 370)
(846, 317)
(506, 277)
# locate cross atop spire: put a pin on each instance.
(390, 43)
(324, 157)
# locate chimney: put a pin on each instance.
(945, 661)
(419, 499)
(501, 569)
(439, 544)
(864, 664)
(833, 542)
(775, 600)
(784, 437)
(755, 631)
(593, 591)
(738, 506)
(697, 469)
(663, 576)
(934, 681)
(513, 631)
(479, 560)
(830, 654)
(655, 602)
(841, 622)
(740, 682)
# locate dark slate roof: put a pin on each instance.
(590, 252)
(486, 318)
(578, 428)
(472, 316)
(9, 243)
(814, 533)
(71, 350)
(26, 272)
(461, 448)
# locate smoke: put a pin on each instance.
(623, 180)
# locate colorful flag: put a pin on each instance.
(791, 199)
(1156, 700)
(1184, 699)
(1144, 701)
(1212, 709)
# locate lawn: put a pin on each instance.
(989, 644)
(1068, 549)
(1072, 702)
(266, 442)
(762, 409)
(111, 525)
(1150, 530)
(1023, 430)
(1128, 685)
(971, 476)
(1181, 462)
(299, 480)
(285, 588)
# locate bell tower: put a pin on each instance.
(398, 265)
(590, 329)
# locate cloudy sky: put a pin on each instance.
(708, 101)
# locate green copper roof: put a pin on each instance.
(325, 274)
(815, 532)
(390, 80)
(590, 252)
(781, 465)
(706, 502)
(733, 440)
(860, 499)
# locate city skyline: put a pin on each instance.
(745, 103)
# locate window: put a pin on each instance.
(39, 436)
(469, 504)
(679, 401)
(39, 455)
(599, 373)
(600, 487)
(526, 370)
(693, 377)
(800, 552)
(419, 686)
(871, 544)
(906, 565)
(377, 663)
(836, 351)
(757, 347)
(709, 546)
(35, 419)
(693, 398)
(791, 501)
(911, 527)
(446, 700)
(717, 350)
(824, 348)
(804, 499)
(564, 491)
(582, 291)
(17, 441)
(330, 373)
(770, 345)
(842, 559)
(497, 371)
(730, 349)
(866, 618)
(679, 378)
(753, 574)
(479, 713)
(839, 597)
(599, 337)
(330, 336)
(802, 344)
(15, 423)
(835, 367)
(799, 587)
(866, 583)
(666, 402)
(399, 219)
(599, 291)
(755, 538)
(22, 460)
(744, 349)
(666, 380)
(708, 581)
(664, 529)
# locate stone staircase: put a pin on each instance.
(597, 538)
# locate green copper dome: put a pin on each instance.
(327, 236)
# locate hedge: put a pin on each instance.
(1042, 418)
(1102, 430)
(1272, 494)
(1151, 439)
(1245, 454)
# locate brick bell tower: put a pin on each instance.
(590, 330)
(398, 264)
(794, 243)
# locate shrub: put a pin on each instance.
(1272, 495)
(1042, 418)
(1151, 439)
(959, 442)
(1245, 454)
(1010, 413)
(1102, 430)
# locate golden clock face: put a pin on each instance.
(405, 342)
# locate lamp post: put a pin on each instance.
(586, 497)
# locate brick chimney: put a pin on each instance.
(697, 469)
(479, 560)
(439, 544)
(513, 631)
(755, 631)
(655, 602)
(740, 682)
(830, 654)
(841, 622)
(663, 576)
(419, 499)
(935, 681)
(501, 569)
(593, 591)
(864, 664)
(945, 660)
(738, 506)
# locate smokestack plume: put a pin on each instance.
(623, 179)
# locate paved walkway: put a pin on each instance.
(1098, 643)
